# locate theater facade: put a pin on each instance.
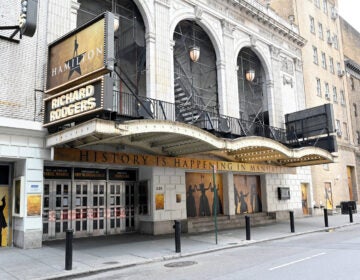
(175, 110)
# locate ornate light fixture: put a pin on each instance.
(194, 53)
(116, 23)
(194, 50)
(250, 75)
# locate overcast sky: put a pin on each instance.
(349, 10)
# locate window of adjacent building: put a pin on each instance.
(335, 42)
(338, 127)
(323, 60)
(335, 94)
(346, 132)
(342, 97)
(331, 64)
(312, 24)
(318, 87)
(352, 84)
(328, 36)
(325, 6)
(338, 66)
(327, 91)
(321, 34)
(315, 55)
(355, 109)
(358, 137)
(317, 3)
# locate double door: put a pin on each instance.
(87, 207)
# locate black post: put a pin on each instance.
(68, 249)
(247, 226)
(350, 214)
(177, 227)
(326, 218)
(292, 224)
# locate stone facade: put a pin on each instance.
(323, 69)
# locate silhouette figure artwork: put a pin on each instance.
(216, 201)
(190, 202)
(255, 199)
(243, 204)
(3, 223)
(204, 208)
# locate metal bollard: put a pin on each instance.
(247, 226)
(292, 224)
(177, 227)
(68, 249)
(350, 213)
(326, 218)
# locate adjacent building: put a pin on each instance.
(351, 42)
(325, 83)
(123, 116)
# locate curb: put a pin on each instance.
(78, 274)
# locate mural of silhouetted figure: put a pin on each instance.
(216, 201)
(204, 208)
(328, 197)
(190, 202)
(3, 223)
(255, 199)
(243, 204)
(236, 200)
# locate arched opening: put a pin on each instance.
(130, 46)
(252, 93)
(195, 78)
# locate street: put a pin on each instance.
(322, 255)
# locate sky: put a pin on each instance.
(349, 10)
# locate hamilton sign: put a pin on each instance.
(83, 54)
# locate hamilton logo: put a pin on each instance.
(74, 62)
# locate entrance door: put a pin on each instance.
(4, 216)
(116, 207)
(89, 208)
(304, 199)
(56, 209)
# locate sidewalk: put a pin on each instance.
(109, 252)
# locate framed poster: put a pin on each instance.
(33, 205)
(18, 196)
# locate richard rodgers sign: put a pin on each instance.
(78, 101)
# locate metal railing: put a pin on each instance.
(129, 106)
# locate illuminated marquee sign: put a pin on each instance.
(92, 96)
(82, 54)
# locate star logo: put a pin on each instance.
(74, 62)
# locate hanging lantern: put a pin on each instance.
(250, 75)
(194, 53)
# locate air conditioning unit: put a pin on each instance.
(329, 40)
(341, 73)
(327, 96)
(339, 133)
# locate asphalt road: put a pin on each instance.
(323, 255)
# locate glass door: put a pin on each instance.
(116, 207)
(56, 209)
(80, 208)
(97, 212)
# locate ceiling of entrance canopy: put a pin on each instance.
(170, 138)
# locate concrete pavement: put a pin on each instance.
(110, 252)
